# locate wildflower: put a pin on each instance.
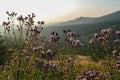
(73, 43)
(26, 42)
(52, 38)
(70, 33)
(26, 18)
(57, 36)
(69, 59)
(34, 49)
(52, 64)
(42, 38)
(38, 22)
(92, 74)
(116, 41)
(4, 23)
(43, 54)
(8, 23)
(7, 12)
(96, 35)
(49, 52)
(27, 58)
(81, 77)
(114, 52)
(10, 50)
(71, 39)
(78, 43)
(46, 66)
(42, 22)
(91, 41)
(103, 31)
(33, 15)
(118, 66)
(109, 30)
(40, 48)
(101, 39)
(118, 62)
(117, 33)
(81, 44)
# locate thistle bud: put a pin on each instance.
(91, 41)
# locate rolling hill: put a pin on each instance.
(89, 20)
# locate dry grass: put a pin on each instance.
(86, 61)
(83, 60)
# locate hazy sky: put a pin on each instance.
(59, 10)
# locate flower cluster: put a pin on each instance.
(104, 36)
(116, 56)
(54, 37)
(92, 74)
(71, 38)
(41, 50)
(7, 26)
(12, 14)
(49, 54)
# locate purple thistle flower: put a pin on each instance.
(116, 41)
(71, 39)
(96, 35)
(117, 33)
(104, 31)
(78, 43)
(101, 39)
(118, 62)
(52, 38)
(109, 30)
(40, 48)
(91, 41)
(34, 49)
(118, 66)
(49, 52)
(114, 52)
(52, 64)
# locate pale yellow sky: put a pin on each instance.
(59, 10)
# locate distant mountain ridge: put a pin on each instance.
(89, 20)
